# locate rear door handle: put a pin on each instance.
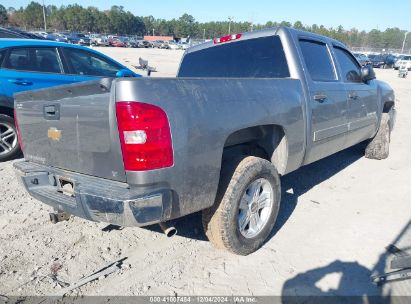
(320, 97)
(20, 81)
(353, 96)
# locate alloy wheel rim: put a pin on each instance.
(8, 139)
(255, 208)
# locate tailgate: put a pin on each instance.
(72, 127)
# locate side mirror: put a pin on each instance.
(124, 73)
(367, 73)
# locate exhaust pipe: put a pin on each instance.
(168, 230)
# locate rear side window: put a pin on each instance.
(90, 64)
(317, 60)
(253, 58)
(2, 54)
(351, 71)
(33, 60)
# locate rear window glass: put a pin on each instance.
(253, 58)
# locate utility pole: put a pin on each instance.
(203, 34)
(153, 32)
(229, 24)
(44, 17)
(403, 43)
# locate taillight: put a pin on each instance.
(227, 38)
(145, 136)
(16, 123)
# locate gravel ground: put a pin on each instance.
(337, 216)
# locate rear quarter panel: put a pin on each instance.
(202, 114)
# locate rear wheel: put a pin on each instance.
(246, 208)
(9, 145)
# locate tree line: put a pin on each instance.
(119, 21)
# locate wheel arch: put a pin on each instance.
(265, 141)
(6, 111)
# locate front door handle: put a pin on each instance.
(20, 81)
(320, 97)
(353, 96)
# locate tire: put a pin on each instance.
(221, 222)
(7, 123)
(379, 147)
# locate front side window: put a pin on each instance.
(89, 64)
(33, 59)
(253, 58)
(317, 60)
(350, 70)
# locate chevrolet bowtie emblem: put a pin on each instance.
(54, 134)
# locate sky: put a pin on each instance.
(361, 14)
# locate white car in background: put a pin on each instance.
(99, 40)
(403, 61)
(173, 45)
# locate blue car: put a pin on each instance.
(34, 64)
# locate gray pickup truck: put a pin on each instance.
(244, 110)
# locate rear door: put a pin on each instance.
(362, 98)
(29, 68)
(327, 100)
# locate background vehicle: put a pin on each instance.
(404, 61)
(377, 60)
(173, 46)
(56, 37)
(157, 44)
(77, 38)
(362, 59)
(99, 40)
(184, 45)
(244, 110)
(15, 33)
(144, 44)
(117, 43)
(34, 64)
(131, 43)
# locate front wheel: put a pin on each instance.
(379, 146)
(9, 145)
(246, 207)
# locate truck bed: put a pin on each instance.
(203, 115)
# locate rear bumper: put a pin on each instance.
(95, 199)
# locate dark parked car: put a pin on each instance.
(145, 44)
(57, 37)
(382, 60)
(76, 38)
(15, 33)
(244, 111)
(27, 64)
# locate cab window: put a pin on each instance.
(350, 69)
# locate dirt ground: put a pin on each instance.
(336, 219)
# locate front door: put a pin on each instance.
(362, 99)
